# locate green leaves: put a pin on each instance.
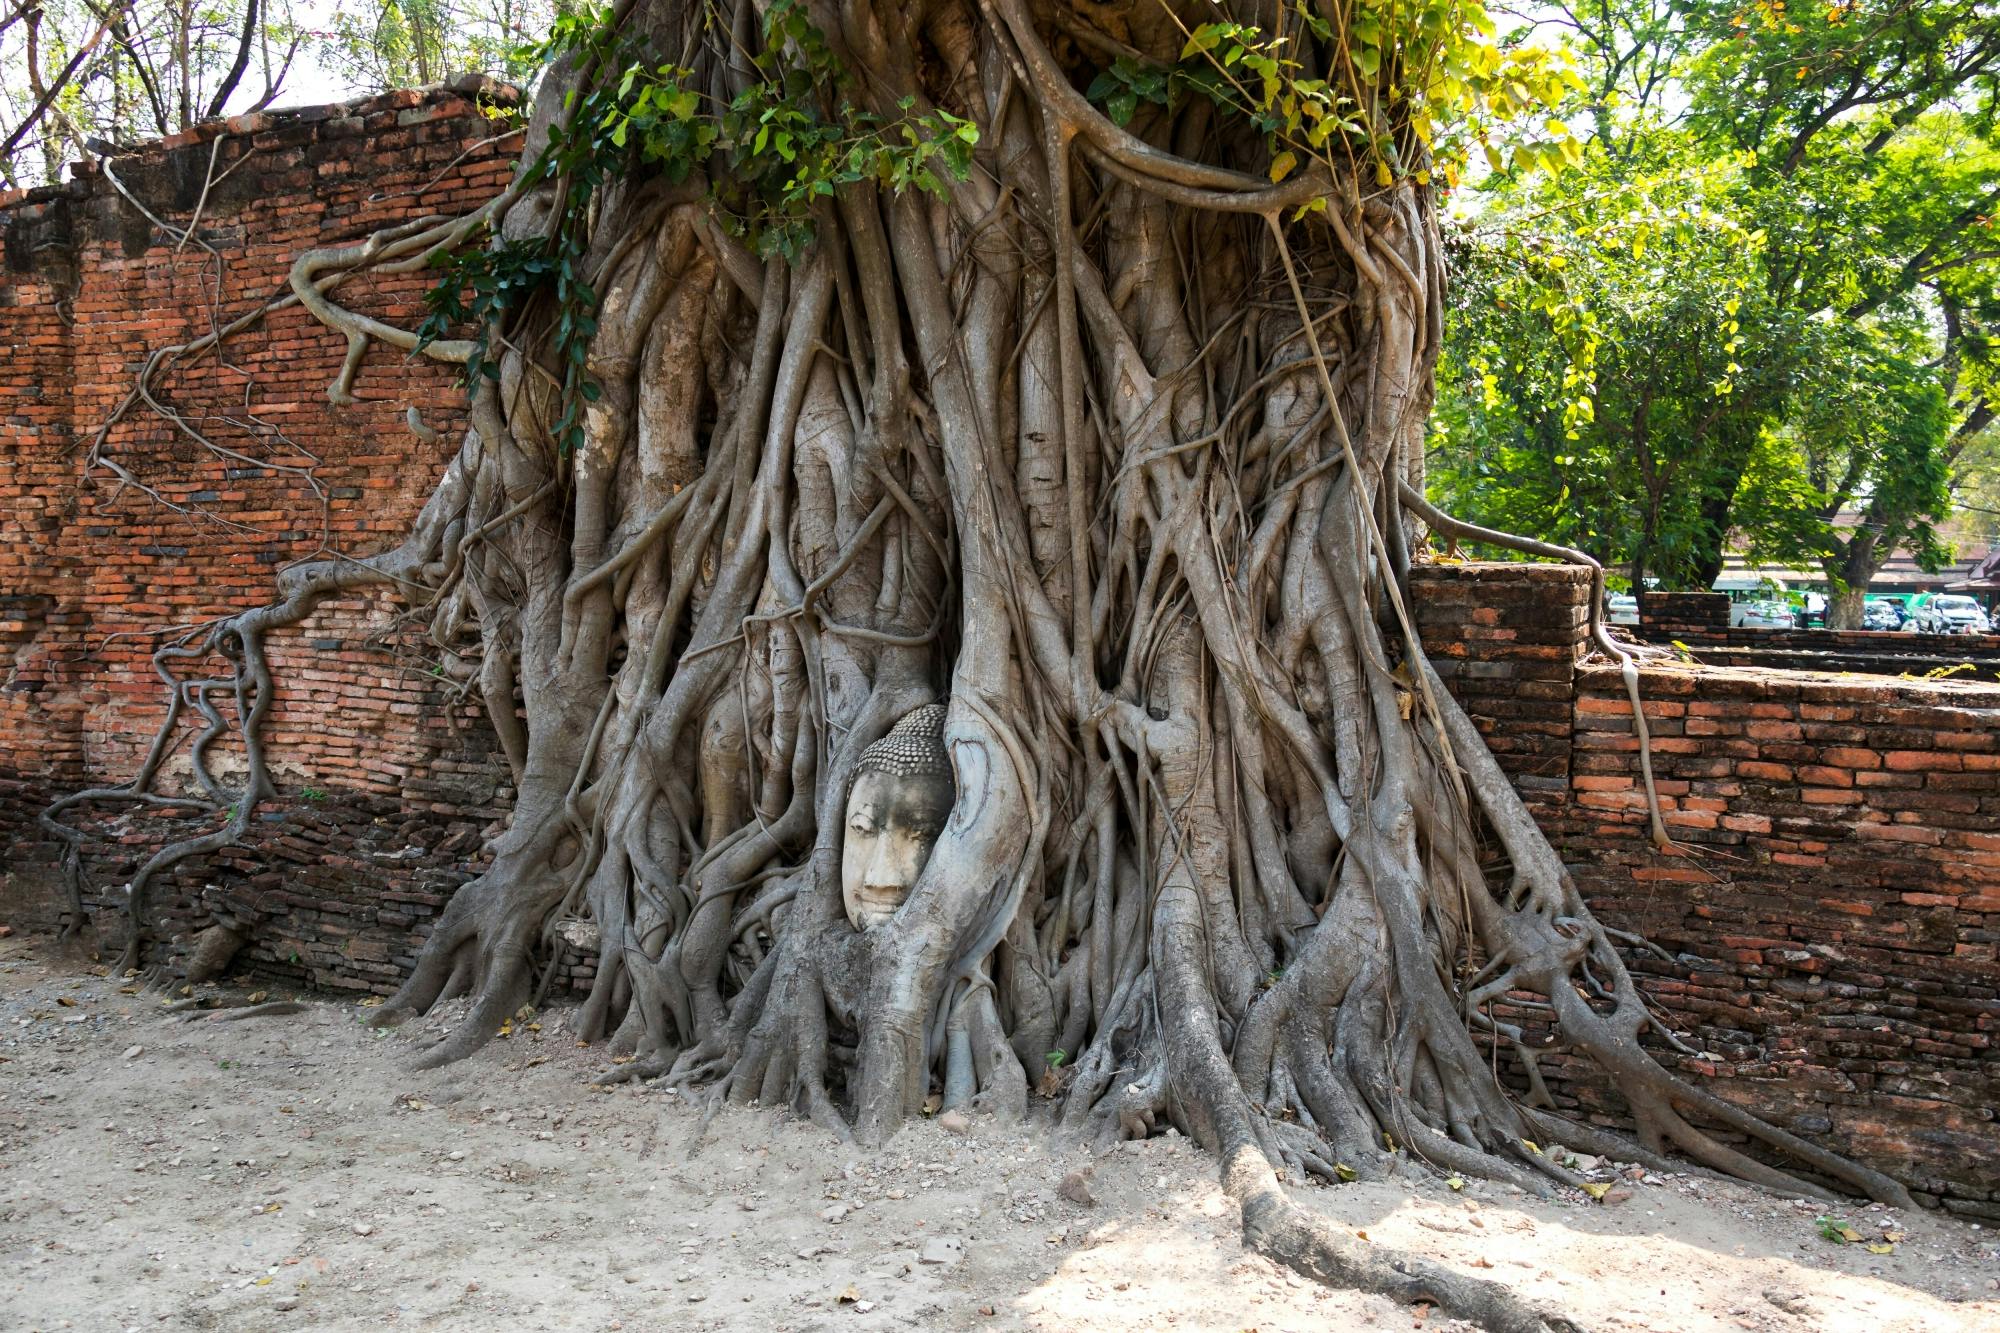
(788, 141)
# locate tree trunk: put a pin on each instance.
(1102, 446)
(1846, 606)
(1849, 572)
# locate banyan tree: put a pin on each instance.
(931, 540)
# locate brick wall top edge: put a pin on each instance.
(460, 89)
(1810, 686)
(1492, 570)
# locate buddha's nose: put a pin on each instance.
(885, 868)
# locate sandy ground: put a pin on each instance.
(293, 1172)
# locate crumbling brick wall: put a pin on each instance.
(1831, 922)
(98, 570)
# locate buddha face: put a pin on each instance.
(902, 795)
(893, 821)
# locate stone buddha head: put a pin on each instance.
(902, 795)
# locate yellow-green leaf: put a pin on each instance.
(1881, 1247)
(1455, 1183)
(1344, 1171)
(1282, 164)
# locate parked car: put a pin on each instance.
(1622, 608)
(1761, 615)
(1953, 613)
(1880, 613)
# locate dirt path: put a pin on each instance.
(291, 1172)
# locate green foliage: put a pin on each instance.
(1758, 298)
(1407, 88)
(1597, 368)
(1870, 427)
(788, 142)
(409, 43)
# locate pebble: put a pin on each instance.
(954, 1122)
(363, 1229)
(941, 1250)
(835, 1213)
(134, 1052)
(286, 1303)
(458, 1155)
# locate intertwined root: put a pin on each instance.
(1108, 447)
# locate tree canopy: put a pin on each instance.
(1758, 303)
(80, 78)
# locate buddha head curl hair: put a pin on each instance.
(914, 747)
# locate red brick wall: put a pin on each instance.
(1835, 917)
(1834, 921)
(95, 575)
(39, 615)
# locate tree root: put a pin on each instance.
(1310, 1245)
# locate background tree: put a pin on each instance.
(411, 43)
(79, 72)
(1847, 153)
(1069, 368)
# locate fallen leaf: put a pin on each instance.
(258, 996)
(373, 1001)
(849, 1296)
(1529, 1144)
(1455, 1183)
(65, 1002)
(1344, 1171)
(1596, 1191)
(1881, 1248)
